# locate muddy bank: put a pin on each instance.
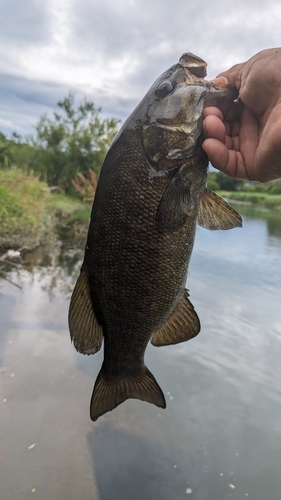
(66, 235)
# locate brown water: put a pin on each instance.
(220, 436)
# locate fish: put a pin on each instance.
(150, 196)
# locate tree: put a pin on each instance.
(212, 183)
(75, 140)
(220, 181)
(6, 154)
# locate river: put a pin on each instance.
(220, 435)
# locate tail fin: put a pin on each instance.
(107, 395)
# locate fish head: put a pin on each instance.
(169, 118)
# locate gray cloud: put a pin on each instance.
(24, 23)
(111, 52)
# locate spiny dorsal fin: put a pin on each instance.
(182, 325)
(109, 394)
(85, 331)
(216, 213)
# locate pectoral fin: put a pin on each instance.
(85, 331)
(174, 206)
(216, 213)
(182, 325)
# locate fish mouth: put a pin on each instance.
(194, 65)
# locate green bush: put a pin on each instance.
(23, 217)
(74, 141)
(213, 184)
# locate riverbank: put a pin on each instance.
(30, 212)
(264, 200)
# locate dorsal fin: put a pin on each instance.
(85, 331)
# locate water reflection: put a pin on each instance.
(132, 461)
(220, 436)
(272, 219)
(55, 267)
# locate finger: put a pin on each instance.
(234, 111)
(217, 152)
(235, 128)
(235, 143)
(268, 154)
(229, 142)
(260, 82)
(212, 110)
(234, 74)
(231, 111)
(228, 161)
(214, 128)
(249, 141)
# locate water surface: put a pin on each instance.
(220, 436)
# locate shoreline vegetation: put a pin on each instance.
(49, 180)
(31, 211)
(262, 200)
(42, 176)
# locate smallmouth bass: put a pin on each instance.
(150, 195)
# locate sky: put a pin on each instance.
(111, 51)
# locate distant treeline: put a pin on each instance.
(218, 181)
(75, 140)
(67, 151)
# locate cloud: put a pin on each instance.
(24, 23)
(111, 52)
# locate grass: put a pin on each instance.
(254, 198)
(29, 213)
(23, 218)
(69, 207)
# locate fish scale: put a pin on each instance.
(150, 195)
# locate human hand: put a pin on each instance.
(246, 143)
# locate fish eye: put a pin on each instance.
(164, 89)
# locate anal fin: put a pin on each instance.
(85, 331)
(182, 325)
(108, 394)
(216, 213)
